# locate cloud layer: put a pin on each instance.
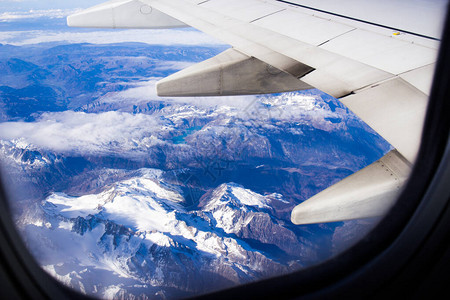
(33, 14)
(81, 133)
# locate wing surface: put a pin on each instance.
(380, 67)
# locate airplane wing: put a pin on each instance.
(377, 57)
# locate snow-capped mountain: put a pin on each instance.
(139, 229)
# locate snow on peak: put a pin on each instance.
(23, 153)
(141, 203)
(237, 195)
(138, 230)
(233, 207)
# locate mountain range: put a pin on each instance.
(119, 193)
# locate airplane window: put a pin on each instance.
(120, 193)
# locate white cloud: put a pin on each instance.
(173, 65)
(145, 91)
(32, 14)
(296, 107)
(76, 132)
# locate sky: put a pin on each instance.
(21, 5)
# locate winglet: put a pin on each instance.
(123, 14)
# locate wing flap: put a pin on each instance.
(421, 78)
(396, 110)
(369, 192)
(231, 73)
